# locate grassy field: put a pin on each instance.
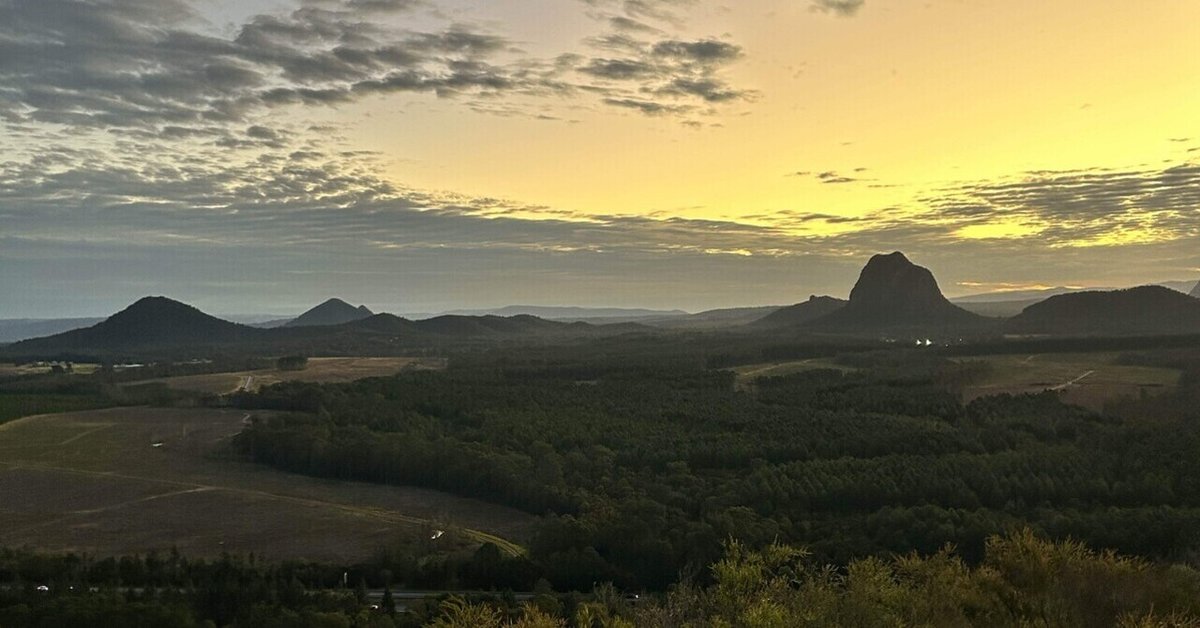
(1086, 379)
(318, 370)
(749, 372)
(129, 480)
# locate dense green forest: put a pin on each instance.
(642, 468)
(660, 472)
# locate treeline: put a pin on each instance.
(1022, 580)
(49, 394)
(642, 472)
(169, 590)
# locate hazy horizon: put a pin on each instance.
(435, 155)
(408, 311)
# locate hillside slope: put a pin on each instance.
(812, 309)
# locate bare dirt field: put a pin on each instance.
(1085, 379)
(128, 480)
(331, 370)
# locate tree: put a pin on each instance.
(292, 363)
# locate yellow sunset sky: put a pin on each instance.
(426, 155)
(920, 94)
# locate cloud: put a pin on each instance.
(148, 63)
(843, 8)
(145, 64)
(637, 68)
(1084, 207)
(831, 177)
(298, 214)
(647, 107)
(664, 11)
(668, 76)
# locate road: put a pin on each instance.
(1066, 385)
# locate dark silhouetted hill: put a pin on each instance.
(893, 293)
(150, 322)
(812, 309)
(332, 312)
(1146, 310)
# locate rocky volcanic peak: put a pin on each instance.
(892, 283)
(893, 292)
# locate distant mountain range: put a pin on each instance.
(891, 295)
(331, 312)
(571, 314)
(1002, 296)
(158, 326)
(17, 329)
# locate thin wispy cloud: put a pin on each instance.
(843, 8)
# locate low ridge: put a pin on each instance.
(812, 309)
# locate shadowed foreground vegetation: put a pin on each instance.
(1022, 581)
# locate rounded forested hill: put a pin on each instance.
(1146, 310)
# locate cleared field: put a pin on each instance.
(128, 480)
(35, 369)
(331, 370)
(749, 372)
(1085, 379)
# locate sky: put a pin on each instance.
(427, 155)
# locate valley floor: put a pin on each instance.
(129, 480)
